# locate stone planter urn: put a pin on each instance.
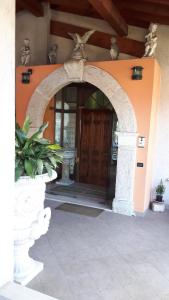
(31, 220)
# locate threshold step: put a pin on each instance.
(14, 291)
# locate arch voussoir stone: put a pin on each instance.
(123, 202)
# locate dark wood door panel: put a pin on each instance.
(95, 146)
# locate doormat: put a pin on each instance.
(80, 210)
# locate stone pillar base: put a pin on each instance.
(126, 162)
(121, 206)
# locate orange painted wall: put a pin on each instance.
(152, 131)
(144, 95)
(25, 91)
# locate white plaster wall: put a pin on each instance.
(37, 30)
(7, 130)
(161, 155)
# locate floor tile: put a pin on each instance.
(111, 257)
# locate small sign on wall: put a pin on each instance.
(141, 141)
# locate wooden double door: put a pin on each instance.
(95, 147)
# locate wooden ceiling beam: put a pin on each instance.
(33, 6)
(100, 39)
(78, 10)
(159, 2)
(68, 3)
(131, 20)
(146, 7)
(109, 12)
(145, 17)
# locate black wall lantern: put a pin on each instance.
(26, 76)
(137, 72)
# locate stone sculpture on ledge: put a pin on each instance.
(76, 63)
(151, 41)
(52, 55)
(26, 53)
(114, 51)
(80, 42)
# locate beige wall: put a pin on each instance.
(65, 46)
(36, 29)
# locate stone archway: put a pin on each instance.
(123, 202)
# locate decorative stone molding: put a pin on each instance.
(123, 202)
(74, 69)
(31, 220)
(116, 95)
(96, 76)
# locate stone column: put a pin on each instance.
(126, 164)
(7, 134)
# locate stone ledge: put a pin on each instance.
(13, 291)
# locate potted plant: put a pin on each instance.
(35, 162)
(160, 189)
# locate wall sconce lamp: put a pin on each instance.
(26, 76)
(137, 72)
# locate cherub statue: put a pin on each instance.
(151, 41)
(114, 51)
(26, 53)
(80, 41)
(52, 54)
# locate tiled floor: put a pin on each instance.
(111, 257)
(78, 193)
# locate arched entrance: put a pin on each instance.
(127, 135)
(83, 121)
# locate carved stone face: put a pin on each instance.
(54, 47)
(113, 40)
(26, 42)
(82, 46)
(153, 27)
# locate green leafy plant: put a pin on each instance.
(160, 189)
(34, 155)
